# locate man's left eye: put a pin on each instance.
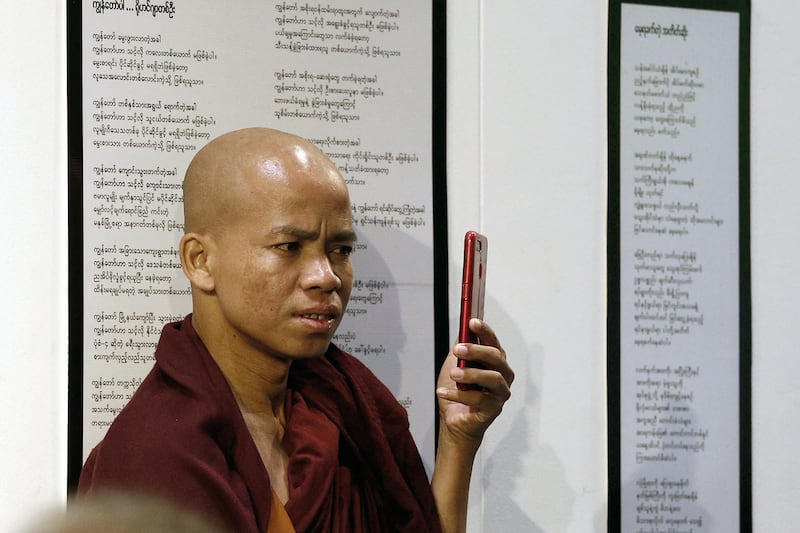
(343, 250)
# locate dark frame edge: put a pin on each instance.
(75, 244)
(745, 294)
(441, 314)
(614, 485)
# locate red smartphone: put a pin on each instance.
(473, 288)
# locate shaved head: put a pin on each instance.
(266, 247)
(222, 175)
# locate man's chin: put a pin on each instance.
(311, 351)
(308, 355)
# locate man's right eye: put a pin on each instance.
(288, 246)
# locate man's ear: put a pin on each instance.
(194, 253)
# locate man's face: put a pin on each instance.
(282, 268)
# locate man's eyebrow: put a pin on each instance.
(310, 235)
(345, 235)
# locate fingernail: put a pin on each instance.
(460, 349)
(456, 374)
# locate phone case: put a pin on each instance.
(473, 285)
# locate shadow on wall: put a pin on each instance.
(389, 322)
(524, 483)
(373, 328)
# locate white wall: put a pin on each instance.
(33, 364)
(775, 175)
(526, 163)
(526, 154)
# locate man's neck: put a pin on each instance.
(259, 385)
(258, 380)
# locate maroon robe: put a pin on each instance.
(353, 465)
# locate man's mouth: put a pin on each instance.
(324, 321)
(319, 317)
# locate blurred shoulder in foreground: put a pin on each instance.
(117, 512)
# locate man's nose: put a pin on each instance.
(319, 274)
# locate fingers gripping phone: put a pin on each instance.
(473, 289)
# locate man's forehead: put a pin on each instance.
(279, 165)
(252, 169)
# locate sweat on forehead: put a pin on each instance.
(223, 173)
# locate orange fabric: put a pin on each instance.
(279, 521)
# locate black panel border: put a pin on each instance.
(441, 259)
(441, 341)
(75, 245)
(613, 255)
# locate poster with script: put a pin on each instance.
(162, 78)
(679, 349)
